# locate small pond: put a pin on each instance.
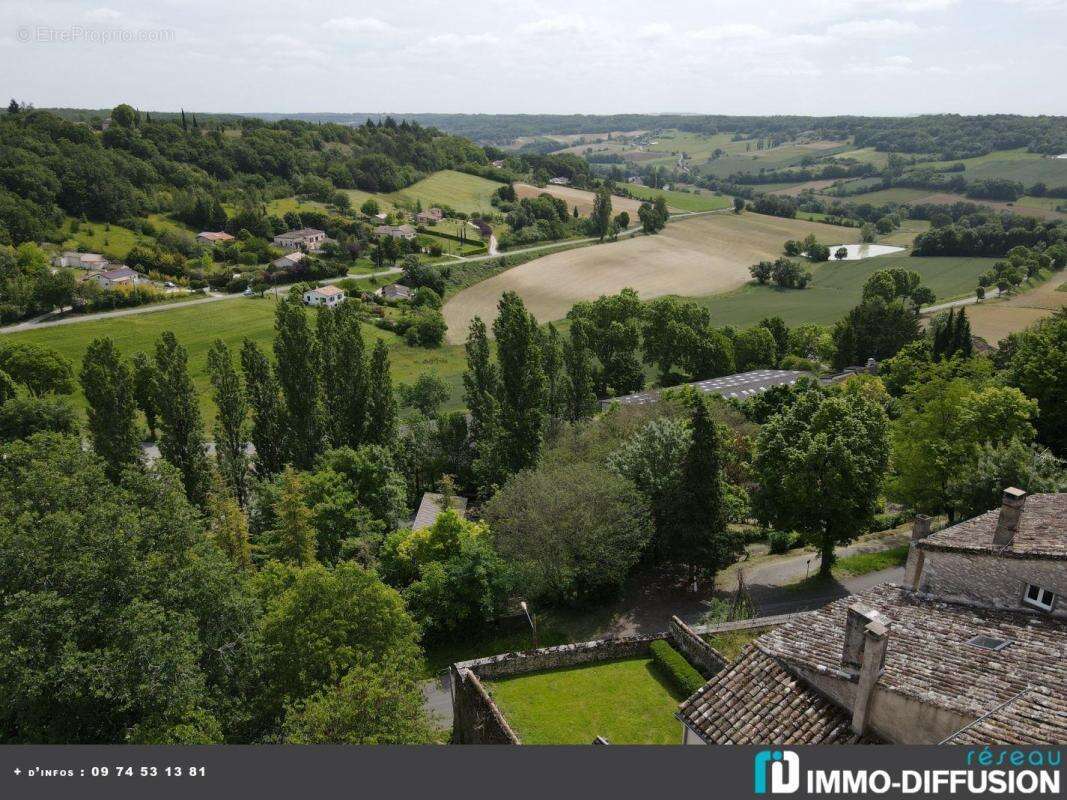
(857, 252)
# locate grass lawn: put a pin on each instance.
(731, 643)
(100, 237)
(683, 201)
(626, 702)
(863, 563)
(231, 320)
(1015, 165)
(462, 192)
(284, 205)
(837, 287)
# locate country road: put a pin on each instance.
(53, 320)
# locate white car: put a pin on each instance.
(248, 292)
(170, 285)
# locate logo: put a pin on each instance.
(784, 767)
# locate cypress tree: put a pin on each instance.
(480, 382)
(381, 399)
(144, 391)
(701, 537)
(556, 389)
(107, 382)
(181, 440)
(962, 343)
(268, 414)
(229, 529)
(296, 353)
(230, 421)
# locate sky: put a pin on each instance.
(819, 57)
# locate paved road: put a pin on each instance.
(437, 693)
(991, 293)
(47, 322)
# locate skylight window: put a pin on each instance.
(989, 642)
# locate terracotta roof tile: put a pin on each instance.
(1042, 531)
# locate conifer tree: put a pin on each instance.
(962, 344)
(144, 390)
(268, 414)
(181, 440)
(230, 422)
(480, 383)
(229, 529)
(701, 537)
(293, 538)
(296, 354)
(107, 383)
(381, 399)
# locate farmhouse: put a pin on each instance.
(122, 275)
(396, 231)
(395, 291)
(328, 296)
(969, 651)
(430, 216)
(432, 505)
(213, 237)
(289, 261)
(739, 386)
(307, 239)
(80, 260)
(561, 181)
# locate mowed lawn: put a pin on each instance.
(463, 192)
(231, 320)
(837, 286)
(626, 702)
(681, 201)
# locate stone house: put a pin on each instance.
(289, 261)
(395, 291)
(404, 231)
(308, 240)
(430, 216)
(971, 650)
(213, 237)
(80, 260)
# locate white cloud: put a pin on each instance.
(872, 28)
(720, 33)
(357, 25)
(898, 60)
(656, 30)
(104, 13)
(460, 40)
(570, 23)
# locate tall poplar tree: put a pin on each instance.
(601, 216)
(556, 388)
(521, 390)
(581, 381)
(181, 440)
(268, 413)
(107, 383)
(144, 391)
(347, 405)
(230, 433)
(296, 354)
(381, 399)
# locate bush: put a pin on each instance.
(679, 671)
(781, 541)
(886, 521)
(796, 362)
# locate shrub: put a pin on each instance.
(781, 541)
(679, 671)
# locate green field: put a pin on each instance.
(786, 155)
(463, 192)
(867, 155)
(285, 205)
(100, 237)
(231, 320)
(683, 201)
(837, 287)
(898, 194)
(1016, 165)
(626, 702)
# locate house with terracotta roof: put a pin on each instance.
(120, 276)
(289, 261)
(328, 296)
(972, 649)
(213, 237)
(395, 291)
(430, 216)
(404, 231)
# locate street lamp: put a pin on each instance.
(533, 625)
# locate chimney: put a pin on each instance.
(1011, 511)
(920, 529)
(857, 620)
(872, 366)
(875, 643)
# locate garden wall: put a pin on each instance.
(705, 658)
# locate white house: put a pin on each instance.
(396, 231)
(328, 296)
(120, 276)
(307, 239)
(560, 181)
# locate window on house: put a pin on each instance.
(1039, 597)
(989, 642)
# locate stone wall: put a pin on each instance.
(705, 658)
(988, 580)
(476, 718)
(564, 655)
